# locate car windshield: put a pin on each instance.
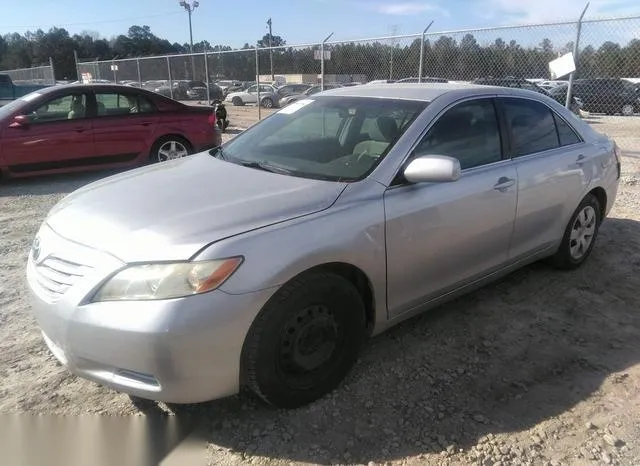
(329, 138)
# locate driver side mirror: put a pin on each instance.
(432, 169)
(20, 121)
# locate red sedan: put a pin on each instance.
(81, 127)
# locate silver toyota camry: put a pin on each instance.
(267, 262)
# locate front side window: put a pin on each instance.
(468, 132)
(338, 139)
(68, 107)
(532, 126)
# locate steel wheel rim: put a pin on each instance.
(582, 232)
(627, 110)
(172, 150)
(309, 343)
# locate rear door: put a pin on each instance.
(124, 125)
(59, 135)
(552, 163)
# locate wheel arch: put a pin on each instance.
(601, 195)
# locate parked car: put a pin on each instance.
(197, 90)
(9, 91)
(229, 85)
(309, 92)
(292, 89)
(268, 96)
(520, 83)
(606, 95)
(266, 263)
(426, 79)
(87, 126)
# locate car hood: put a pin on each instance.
(171, 210)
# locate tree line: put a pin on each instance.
(444, 57)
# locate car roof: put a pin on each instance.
(424, 91)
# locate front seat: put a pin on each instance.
(384, 132)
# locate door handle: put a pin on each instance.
(504, 183)
(145, 123)
(581, 160)
(79, 129)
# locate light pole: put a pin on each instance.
(273, 78)
(190, 6)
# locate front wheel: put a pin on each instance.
(237, 101)
(304, 341)
(580, 235)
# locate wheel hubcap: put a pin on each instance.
(308, 341)
(627, 110)
(171, 150)
(582, 232)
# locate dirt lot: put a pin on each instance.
(541, 368)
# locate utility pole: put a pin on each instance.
(190, 6)
(273, 78)
(394, 32)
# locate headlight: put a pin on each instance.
(167, 280)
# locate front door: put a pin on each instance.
(443, 235)
(59, 135)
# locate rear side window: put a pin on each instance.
(532, 126)
(109, 104)
(565, 132)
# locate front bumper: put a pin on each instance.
(183, 350)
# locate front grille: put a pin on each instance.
(54, 276)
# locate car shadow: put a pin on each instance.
(502, 359)
(52, 184)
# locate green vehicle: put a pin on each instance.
(9, 91)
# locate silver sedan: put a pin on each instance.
(269, 261)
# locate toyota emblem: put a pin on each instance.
(35, 249)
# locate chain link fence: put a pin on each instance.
(41, 75)
(606, 87)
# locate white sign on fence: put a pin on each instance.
(114, 67)
(317, 54)
(562, 66)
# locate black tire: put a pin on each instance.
(563, 258)
(277, 347)
(237, 101)
(267, 102)
(155, 156)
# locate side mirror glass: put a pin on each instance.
(20, 121)
(432, 169)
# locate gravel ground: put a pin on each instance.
(541, 368)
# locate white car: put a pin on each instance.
(268, 96)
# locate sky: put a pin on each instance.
(299, 22)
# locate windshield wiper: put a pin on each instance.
(265, 167)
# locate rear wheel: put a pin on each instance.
(267, 102)
(237, 101)
(170, 148)
(580, 235)
(304, 341)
